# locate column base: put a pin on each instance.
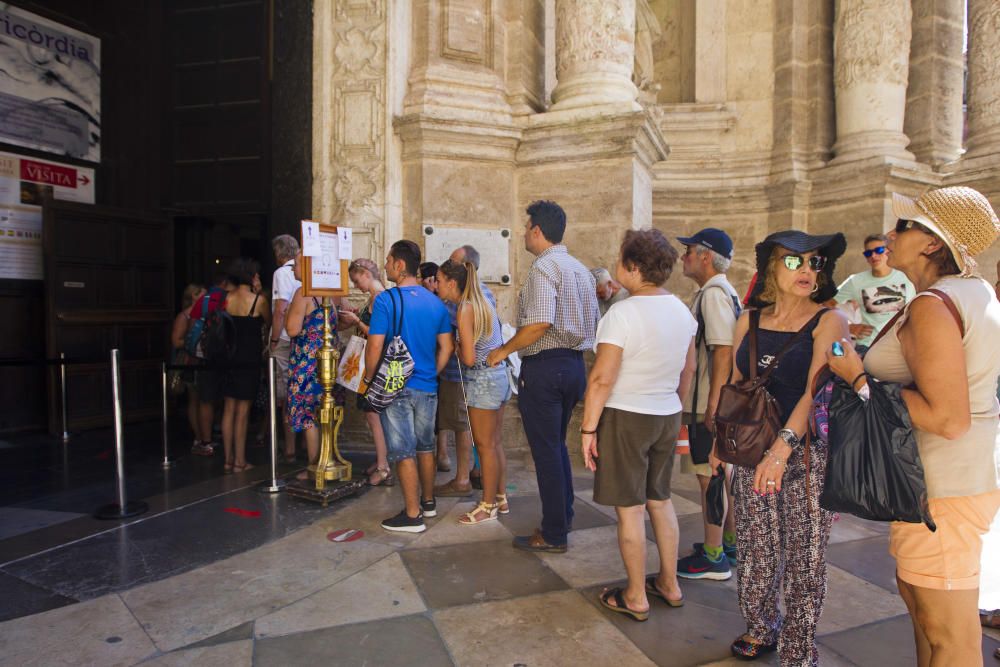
(595, 89)
(984, 143)
(872, 143)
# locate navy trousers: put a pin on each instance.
(552, 382)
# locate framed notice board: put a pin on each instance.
(326, 252)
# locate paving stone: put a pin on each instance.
(868, 558)
(526, 515)
(18, 520)
(96, 632)
(382, 590)
(446, 529)
(229, 654)
(23, 599)
(593, 557)
(551, 629)
(241, 631)
(477, 572)
(410, 641)
(851, 601)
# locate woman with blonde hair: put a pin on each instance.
(781, 531)
(486, 389)
(192, 293)
(367, 278)
(948, 361)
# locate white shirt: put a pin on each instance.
(283, 286)
(654, 333)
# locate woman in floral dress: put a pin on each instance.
(304, 324)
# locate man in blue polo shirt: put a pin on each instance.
(421, 320)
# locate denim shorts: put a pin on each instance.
(486, 388)
(408, 423)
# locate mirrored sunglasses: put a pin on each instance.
(793, 262)
(874, 251)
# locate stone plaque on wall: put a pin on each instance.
(493, 246)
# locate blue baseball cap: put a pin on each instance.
(713, 239)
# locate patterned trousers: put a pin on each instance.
(782, 547)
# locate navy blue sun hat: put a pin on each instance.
(831, 246)
(713, 239)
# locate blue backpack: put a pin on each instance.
(193, 338)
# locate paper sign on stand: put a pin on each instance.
(310, 239)
(345, 236)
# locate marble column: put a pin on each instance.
(595, 49)
(937, 77)
(871, 66)
(984, 78)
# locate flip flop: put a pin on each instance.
(620, 607)
(651, 589)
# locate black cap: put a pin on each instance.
(713, 239)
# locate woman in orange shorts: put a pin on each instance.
(951, 372)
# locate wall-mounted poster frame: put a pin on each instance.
(324, 273)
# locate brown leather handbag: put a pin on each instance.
(748, 418)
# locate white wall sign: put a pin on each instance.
(23, 184)
(493, 246)
(50, 97)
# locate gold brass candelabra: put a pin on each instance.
(330, 466)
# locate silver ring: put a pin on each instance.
(770, 482)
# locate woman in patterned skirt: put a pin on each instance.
(304, 324)
(781, 531)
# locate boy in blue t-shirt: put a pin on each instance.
(421, 320)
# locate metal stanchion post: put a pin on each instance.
(167, 461)
(62, 390)
(275, 485)
(121, 509)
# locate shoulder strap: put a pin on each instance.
(951, 308)
(253, 306)
(754, 325)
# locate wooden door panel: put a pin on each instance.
(125, 302)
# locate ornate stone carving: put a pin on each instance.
(647, 34)
(984, 72)
(872, 42)
(590, 31)
(467, 31)
(356, 188)
(359, 51)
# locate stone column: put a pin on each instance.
(595, 49)
(871, 65)
(937, 73)
(984, 77)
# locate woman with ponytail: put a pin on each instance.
(486, 389)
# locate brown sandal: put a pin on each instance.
(381, 477)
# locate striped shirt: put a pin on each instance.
(560, 291)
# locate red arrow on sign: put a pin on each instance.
(83, 179)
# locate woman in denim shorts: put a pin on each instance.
(486, 389)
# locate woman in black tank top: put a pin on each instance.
(250, 314)
(781, 532)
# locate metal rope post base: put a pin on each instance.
(122, 509)
(274, 485)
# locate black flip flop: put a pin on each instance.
(621, 607)
(651, 589)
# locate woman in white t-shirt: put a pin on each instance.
(632, 414)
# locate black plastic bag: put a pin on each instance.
(715, 498)
(874, 469)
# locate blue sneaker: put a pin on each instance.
(699, 566)
(730, 551)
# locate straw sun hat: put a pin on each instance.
(960, 216)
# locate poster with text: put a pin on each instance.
(50, 85)
(23, 184)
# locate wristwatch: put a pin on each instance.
(788, 435)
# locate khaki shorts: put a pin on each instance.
(949, 558)
(635, 457)
(689, 467)
(281, 351)
(451, 412)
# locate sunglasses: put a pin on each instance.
(874, 251)
(793, 262)
(904, 225)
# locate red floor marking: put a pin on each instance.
(104, 456)
(345, 535)
(247, 514)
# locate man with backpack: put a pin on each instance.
(708, 255)
(410, 328)
(206, 380)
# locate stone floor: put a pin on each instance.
(198, 585)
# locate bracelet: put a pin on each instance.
(275, 340)
(855, 380)
(585, 432)
(367, 380)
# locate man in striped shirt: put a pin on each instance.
(557, 320)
